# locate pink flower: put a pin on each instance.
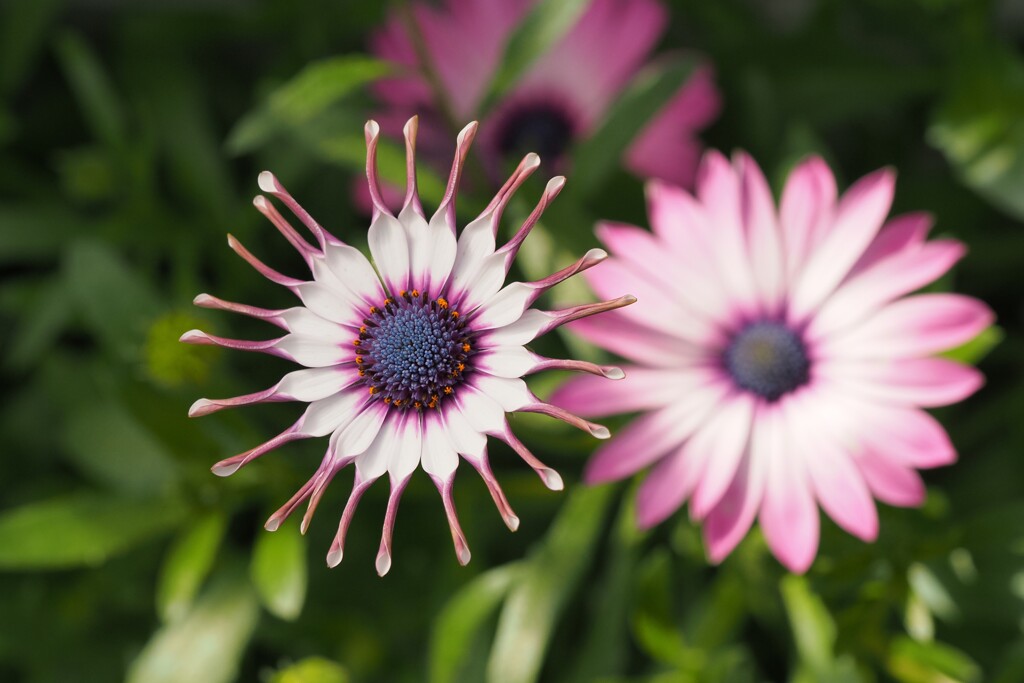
(778, 360)
(414, 367)
(559, 100)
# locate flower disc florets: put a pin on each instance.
(412, 352)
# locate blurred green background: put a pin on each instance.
(131, 134)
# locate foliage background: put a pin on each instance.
(131, 134)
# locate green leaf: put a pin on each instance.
(596, 157)
(979, 127)
(80, 530)
(976, 349)
(116, 302)
(814, 631)
(41, 325)
(95, 93)
(911, 661)
(187, 564)
(312, 670)
(304, 97)
(540, 30)
(652, 621)
(109, 445)
(462, 618)
(279, 572)
(206, 644)
(551, 575)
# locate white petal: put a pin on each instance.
(406, 456)
(312, 384)
(351, 268)
(323, 300)
(361, 431)
(439, 458)
(481, 411)
(522, 331)
(510, 394)
(373, 462)
(305, 322)
(463, 437)
(326, 415)
(313, 352)
(506, 361)
(505, 307)
(390, 249)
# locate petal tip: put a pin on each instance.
(272, 524)
(552, 479)
(531, 161)
(512, 522)
(225, 468)
(383, 563)
(600, 431)
(464, 555)
(202, 300)
(194, 337)
(613, 372)
(267, 182)
(202, 407)
(334, 557)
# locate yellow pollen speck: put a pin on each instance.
(373, 309)
(455, 314)
(397, 403)
(417, 405)
(362, 329)
(415, 293)
(443, 303)
(462, 366)
(359, 360)
(357, 342)
(373, 390)
(388, 301)
(387, 399)
(362, 373)
(447, 391)
(465, 348)
(402, 293)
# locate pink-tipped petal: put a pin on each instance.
(412, 199)
(640, 389)
(231, 465)
(337, 549)
(462, 144)
(372, 132)
(511, 248)
(383, 563)
(269, 183)
(612, 372)
(209, 301)
(900, 233)
(262, 268)
(595, 430)
(306, 250)
(549, 476)
(458, 538)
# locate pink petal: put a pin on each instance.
(666, 148)
(717, 450)
(663, 490)
(837, 483)
(805, 210)
(637, 342)
(888, 278)
(728, 522)
(858, 217)
(925, 382)
(899, 233)
(641, 389)
(757, 209)
(915, 326)
(789, 516)
(890, 481)
(651, 436)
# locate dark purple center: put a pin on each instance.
(413, 351)
(541, 127)
(768, 359)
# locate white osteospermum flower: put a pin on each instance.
(416, 366)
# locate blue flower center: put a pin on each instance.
(541, 127)
(768, 359)
(413, 351)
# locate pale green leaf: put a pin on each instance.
(93, 89)
(460, 621)
(279, 572)
(975, 350)
(81, 530)
(550, 578)
(187, 564)
(312, 670)
(207, 643)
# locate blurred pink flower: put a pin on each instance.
(414, 367)
(778, 361)
(559, 100)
